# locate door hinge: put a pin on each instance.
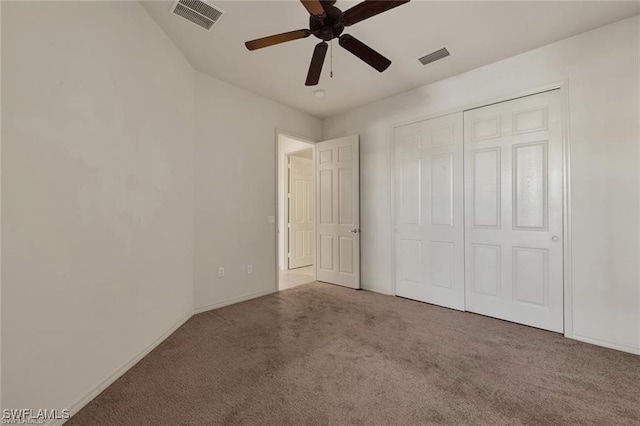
(289, 255)
(289, 195)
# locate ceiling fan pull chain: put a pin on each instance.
(331, 56)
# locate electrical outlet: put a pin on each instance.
(221, 272)
(249, 269)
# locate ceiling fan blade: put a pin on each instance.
(276, 39)
(369, 8)
(364, 52)
(314, 7)
(317, 60)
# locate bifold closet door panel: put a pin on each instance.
(513, 210)
(428, 211)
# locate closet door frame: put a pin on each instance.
(566, 187)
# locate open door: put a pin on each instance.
(338, 211)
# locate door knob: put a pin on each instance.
(354, 230)
(555, 238)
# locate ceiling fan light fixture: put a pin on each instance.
(319, 93)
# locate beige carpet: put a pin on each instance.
(321, 354)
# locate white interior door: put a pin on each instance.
(513, 209)
(429, 236)
(301, 235)
(338, 211)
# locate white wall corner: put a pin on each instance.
(77, 405)
(232, 300)
(1, 405)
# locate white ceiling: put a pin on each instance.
(477, 33)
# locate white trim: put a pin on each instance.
(288, 287)
(286, 215)
(98, 389)
(93, 393)
(280, 132)
(231, 301)
(624, 347)
(480, 104)
(392, 191)
(566, 211)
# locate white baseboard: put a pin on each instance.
(78, 405)
(89, 396)
(287, 287)
(232, 300)
(624, 347)
(379, 290)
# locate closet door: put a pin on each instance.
(513, 209)
(429, 250)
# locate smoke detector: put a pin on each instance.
(198, 12)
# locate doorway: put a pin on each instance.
(296, 196)
(318, 211)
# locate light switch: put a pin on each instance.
(271, 219)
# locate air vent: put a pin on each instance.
(434, 56)
(198, 12)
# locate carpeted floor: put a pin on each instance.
(322, 354)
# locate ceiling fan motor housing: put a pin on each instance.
(329, 27)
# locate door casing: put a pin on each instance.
(278, 177)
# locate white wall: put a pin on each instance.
(603, 77)
(235, 189)
(97, 194)
(1, 406)
(99, 256)
(286, 145)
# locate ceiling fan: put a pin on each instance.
(326, 23)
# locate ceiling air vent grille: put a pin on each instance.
(198, 12)
(434, 56)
